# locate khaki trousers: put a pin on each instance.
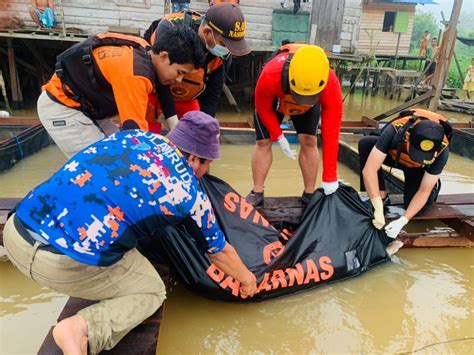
(70, 129)
(129, 291)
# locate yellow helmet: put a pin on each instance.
(308, 74)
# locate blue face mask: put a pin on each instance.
(218, 50)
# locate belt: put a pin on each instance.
(23, 231)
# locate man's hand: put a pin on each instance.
(379, 218)
(330, 187)
(249, 287)
(172, 122)
(285, 147)
(393, 229)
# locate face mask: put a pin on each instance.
(218, 50)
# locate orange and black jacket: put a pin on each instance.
(106, 75)
(214, 67)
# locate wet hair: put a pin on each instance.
(182, 45)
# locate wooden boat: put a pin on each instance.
(19, 138)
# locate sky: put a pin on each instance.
(446, 6)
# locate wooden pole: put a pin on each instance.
(13, 77)
(4, 93)
(446, 52)
(63, 22)
(454, 53)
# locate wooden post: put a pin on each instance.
(445, 53)
(4, 92)
(63, 22)
(13, 74)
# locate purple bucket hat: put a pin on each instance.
(197, 133)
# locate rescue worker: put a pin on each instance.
(110, 74)
(221, 32)
(76, 233)
(297, 82)
(417, 143)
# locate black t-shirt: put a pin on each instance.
(384, 144)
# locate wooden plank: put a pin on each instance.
(426, 240)
(17, 121)
(426, 96)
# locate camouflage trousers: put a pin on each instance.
(129, 291)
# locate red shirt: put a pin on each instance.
(269, 88)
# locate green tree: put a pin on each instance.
(423, 22)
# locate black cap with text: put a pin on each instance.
(227, 20)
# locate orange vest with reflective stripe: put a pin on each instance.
(287, 105)
(399, 123)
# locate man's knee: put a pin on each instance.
(307, 141)
(264, 144)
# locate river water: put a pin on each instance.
(421, 301)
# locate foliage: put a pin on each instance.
(423, 22)
(427, 22)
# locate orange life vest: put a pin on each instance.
(403, 125)
(287, 105)
(82, 80)
(194, 83)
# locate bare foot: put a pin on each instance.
(70, 335)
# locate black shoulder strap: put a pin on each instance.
(188, 18)
(285, 81)
(397, 141)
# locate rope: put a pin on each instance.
(18, 143)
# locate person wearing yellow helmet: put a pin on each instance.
(297, 82)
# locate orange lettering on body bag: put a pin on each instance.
(312, 272)
(325, 264)
(215, 273)
(233, 284)
(296, 273)
(230, 200)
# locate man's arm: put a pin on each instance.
(210, 98)
(264, 99)
(34, 4)
(229, 261)
(131, 96)
(419, 200)
(331, 118)
(370, 171)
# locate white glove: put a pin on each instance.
(172, 122)
(393, 229)
(379, 218)
(330, 187)
(285, 147)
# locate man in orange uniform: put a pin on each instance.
(110, 74)
(297, 82)
(221, 32)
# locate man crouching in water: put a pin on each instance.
(76, 233)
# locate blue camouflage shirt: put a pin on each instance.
(116, 191)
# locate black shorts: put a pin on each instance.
(307, 123)
(431, 69)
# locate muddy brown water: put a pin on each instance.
(422, 301)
